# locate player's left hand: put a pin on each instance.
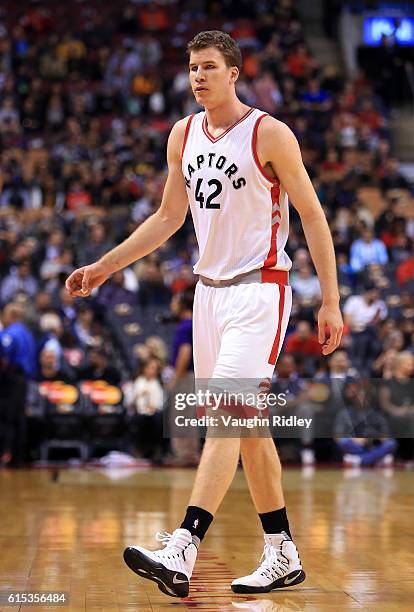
(330, 325)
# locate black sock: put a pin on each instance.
(197, 521)
(275, 522)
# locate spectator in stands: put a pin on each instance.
(306, 285)
(152, 287)
(361, 314)
(367, 250)
(393, 179)
(339, 371)
(52, 270)
(315, 99)
(287, 383)
(84, 328)
(361, 430)
(49, 370)
(52, 329)
(147, 398)
(97, 244)
(19, 279)
(339, 366)
(18, 344)
(67, 310)
(397, 401)
(302, 341)
(384, 365)
(114, 292)
(286, 380)
(98, 368)
(405, 270)
(185, 449)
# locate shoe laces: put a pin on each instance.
(274, 564)
(175, 543)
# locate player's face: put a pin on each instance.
(210, 77)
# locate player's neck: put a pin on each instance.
(227, 114)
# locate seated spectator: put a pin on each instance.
(339, 366)
(361, 430)
(396, 399)
(183, 279)
(54, 244)
(147, 398)
(299, 62)
(339, 371)
(316, 99)
(152, 287)
(384, 365)
(287, 384)
(17, 342)
(20, 278)
(393, 179)
(98, 368)
(113, 292)
(302, 341)
(405, 270)
(97, 245)
(78, 198)
(306, 285)
(49, 370)
(268, 96)
(367, 250)
(84, 329)
(52, 329)
(361, 314)
(52, 269)
(67, 311)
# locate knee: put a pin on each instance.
(259, 449)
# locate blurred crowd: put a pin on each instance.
(88, 94)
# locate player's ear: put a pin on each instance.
(234, 74)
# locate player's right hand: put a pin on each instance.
(81, 282)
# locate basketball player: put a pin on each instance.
(235, 165)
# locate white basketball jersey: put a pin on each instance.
(240, 214)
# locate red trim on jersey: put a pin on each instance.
(254, 150)
(212, 138)
(275, 348)
(271, 258)
(187, 129)
(280, 277)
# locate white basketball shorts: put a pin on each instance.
(238, 330)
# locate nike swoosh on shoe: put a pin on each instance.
(176, 581)
(289, 580)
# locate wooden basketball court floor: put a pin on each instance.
(65, 531)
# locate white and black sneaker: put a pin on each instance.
(280, 568)
(170, 567)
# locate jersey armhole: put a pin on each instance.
(269, 178)
(187, 129)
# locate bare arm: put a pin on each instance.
(151, 234)
(278, 147)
